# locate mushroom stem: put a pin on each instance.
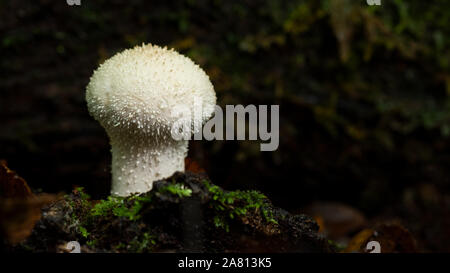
(137, 164)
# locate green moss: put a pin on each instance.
(143, 243)
(84, 196)
(176, 189)
(92, 220)
(131, 213)
(83, 231)
(120, 246)
(80, 208)
(232, 204)
(92, 243)
(86, 217)
(120, 207)
(220, 222)
(105, 207)
(130, 207)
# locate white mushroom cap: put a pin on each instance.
(133, 95)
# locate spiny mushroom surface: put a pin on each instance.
(133, 95)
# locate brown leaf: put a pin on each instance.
(359, 241)
(336, 219)
(192, 166)
(12, 185)
(18, 216)
(20, 209)
(392, 237)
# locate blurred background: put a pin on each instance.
(364, 95)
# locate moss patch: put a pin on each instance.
(180, 213)
(231, 204)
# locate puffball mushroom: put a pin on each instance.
(132, 96)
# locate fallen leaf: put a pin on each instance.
(392, 238)
(18, 216)
(335, 219)
(12, 185)
(192, 166)
(20, 209)
(359, 241)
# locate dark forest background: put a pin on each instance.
(364, 95)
